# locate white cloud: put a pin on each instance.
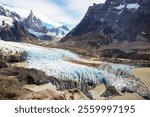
(25, 12)
(70, 14)
(80, 7)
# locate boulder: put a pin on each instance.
(3, 64)
(26, 76)
(110, 91)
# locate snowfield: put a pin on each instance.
(37, 34)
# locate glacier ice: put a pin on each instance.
(54, 62)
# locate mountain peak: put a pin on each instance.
(31, 13)
(108, 26)
(34, 23)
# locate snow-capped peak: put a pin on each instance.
(60, 31)
(31, 23)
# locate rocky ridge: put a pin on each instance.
(35, 26)
(31, 29)
(117, 28)
(60, 31)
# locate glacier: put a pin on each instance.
(54, 62)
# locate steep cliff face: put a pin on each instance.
(34, 23)
(116, 24)
(15, 33)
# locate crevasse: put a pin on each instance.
(53, 62)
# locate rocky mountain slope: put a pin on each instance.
(117, 28)
(60, 31)
(35, 26)
(11, 28)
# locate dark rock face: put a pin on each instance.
(110, 91)
(16, 33)
(32, 76)
(26, 76)
(47, 37)
(115, 20)
(116, 53)
(60, 31)
(21, 34)
(3, 64)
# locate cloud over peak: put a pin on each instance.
(56, 12)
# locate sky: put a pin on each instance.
(55, 12)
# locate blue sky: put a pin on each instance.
(59, 2)
(56, 12)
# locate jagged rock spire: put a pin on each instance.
(31, 13)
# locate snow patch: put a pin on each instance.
(128, 6)
(37, 34)
(120, 11)
(120, 7)
(133, 6)
(7, 20)
(102, 19)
